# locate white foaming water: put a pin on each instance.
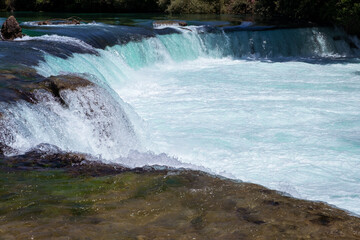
(36, 24)
(290, 125)
(92, 122)
(56, 38)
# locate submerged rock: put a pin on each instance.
(11, 29)
(169, 23)
(68, 21)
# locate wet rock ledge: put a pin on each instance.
(23, 83)
(65, 196)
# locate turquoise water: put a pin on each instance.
(290, 126)
(278, 108)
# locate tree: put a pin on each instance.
(10, 5)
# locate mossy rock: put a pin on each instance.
(150, 204)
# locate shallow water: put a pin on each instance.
(276, 107)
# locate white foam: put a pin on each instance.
(57, 38)
(290, 126)
(35, 24)
(92, 122)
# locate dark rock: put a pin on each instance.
(47, 157)
(4, 149)
(272, 203)
(197, 223)
(248, 215)
(71, 21)
(169, 23)
(11, 29)
(74, 163)
(353, 45)
(21, 84)
(44, 23)
(324, 220)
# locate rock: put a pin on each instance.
(169, 23)
(2, 146)
(11, 29)
(110, 202)
(20, 84)
(4, 149)
(71, 21)
(49, 157)
(44, 23)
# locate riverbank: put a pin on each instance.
(86, 200)
(345, 14)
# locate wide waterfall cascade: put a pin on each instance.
(277, 107)
(91, 122)
(195, 42)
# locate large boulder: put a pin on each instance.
(11, 29)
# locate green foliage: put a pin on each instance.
(344, 13)
(238, 7)
(84, 5)
(10, 5)
(303, 10)
(348, 15)
(193, 6)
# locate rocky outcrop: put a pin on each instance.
(120, 203)
(48, 157)
(169, 23)
(16, 84)
(11, 29)
(68, 21)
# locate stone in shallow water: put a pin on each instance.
(169, 23)
(11, 29)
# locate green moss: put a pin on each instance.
(29, 194)
(26, 194)
(157, 205)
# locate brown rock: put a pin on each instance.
(11, 29)
(59, 22)
(44, 23)
(21, 84)
(169, 23)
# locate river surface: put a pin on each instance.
(277, 107)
